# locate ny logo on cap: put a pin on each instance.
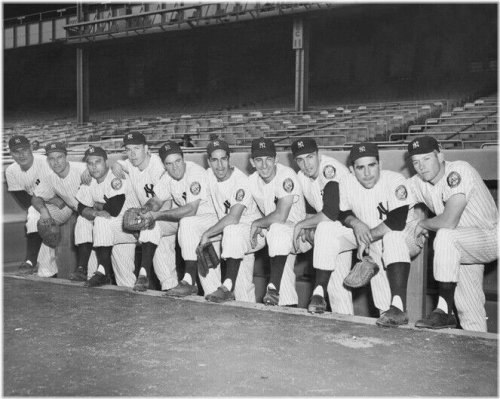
(130, 136)
(300, 144)
(17, 141)
(416, 144)
(167, 147)
(362, 149)
(216, 143)
(91, 149)
(52, 146)
(262, 145)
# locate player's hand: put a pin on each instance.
(298, 233)
(103, 214)
(99, 206)
(361, 251)
(85, 177)
(254, 232)
(421, 231)
(362, 233)
(56, 201)
(118, 170)
(204, 239)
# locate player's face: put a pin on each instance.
(265, 166)
(23, 156)
(97, 166)
(219, 162)
(428, 166)
(136, 153)
(57, 162)
(175, 166)
(367, 171)
(309, 164)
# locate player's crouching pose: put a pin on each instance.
(104, 201)
(236, 209)
(319, 177)
(466, 233)
(278, 195)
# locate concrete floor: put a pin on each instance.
(61, 339)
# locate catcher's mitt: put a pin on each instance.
(135, 219)
(49, 232)
(361, 273)
(415, 244)
(207, 258)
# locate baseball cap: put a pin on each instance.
(57, 146)
(134, 138)
(95, 151)
(17, 142)
(217, 145)
(263, 147)
(304, 146)
(361, 150)
(423, 145)
(170, 147)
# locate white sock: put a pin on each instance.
(142, 272)
(28, 261)
(101, 269)
(442, 305)
(228, 284)
(319, 291)
(271, 285)
(187, 278)
(397, 302)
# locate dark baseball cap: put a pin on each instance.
(306, 145)
(17, 142)
(423, 145)
(57, 146)
(217, 145)
(263, 147)
(95, 151)
(170, 147)
(134, 138)
(362, 150)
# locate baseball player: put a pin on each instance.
(22, 177)
(144, 171)
(466, 233)
(236, 209)
(185, 184)
(103, 202)
(279, 197)
(375, 208)
(63, 182)
(319, 177)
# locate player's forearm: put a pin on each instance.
(176, 214)
(313, 220)
(379, 231)
(438, 222)
(268, 220)
(23, 198)
(39, 204)
(219, 227)
(351, 221)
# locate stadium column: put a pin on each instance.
(82, 75)
(301, 47)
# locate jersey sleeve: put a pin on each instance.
(198, 187)
(287, 184)
(344, 190)
(13, 184)
(459, 180)
(399, 192)
(84, 196)
(45, 190)
(241, 193)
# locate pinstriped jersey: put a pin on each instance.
(235, 190)
(110, 187)
(329, 170)
(459, 178)
(20, 180)
(65, 188)
(284, 183)
(144, 181)
(372, 205)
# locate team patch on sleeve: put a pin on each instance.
(401, 193)
(329, 171)
(288, 185)
(240, 194)
(453, 179)
(195, 188)
(116, 183)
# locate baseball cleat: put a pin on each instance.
(222, 294)
(97, 280)
(182, 289)
(141, 284)
(317, 304)
(437, 320)
(272, 297)
(25, 269)
(393, 317)
(80, 274)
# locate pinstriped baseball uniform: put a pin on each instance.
(20, 180)
(280, 235)
(191, 187)
(460, 253)
(144, 184)
(109, 232)
(236, 238)
(329, 170)
(371, 207)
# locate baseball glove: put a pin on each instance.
(136, 219)
(415, 244)
(207, 258)
(361, 273)
(49, 232)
